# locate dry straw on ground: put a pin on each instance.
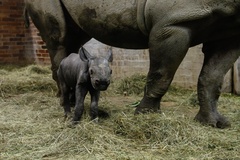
(32, 126)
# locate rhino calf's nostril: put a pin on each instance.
(97, 82)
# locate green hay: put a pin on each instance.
(32, 125)
(132, 85)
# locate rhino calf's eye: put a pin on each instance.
(91, 71)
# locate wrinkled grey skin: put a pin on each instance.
(79, 74)
(168, 28)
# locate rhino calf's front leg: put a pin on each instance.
(80, 94)
(94, 103)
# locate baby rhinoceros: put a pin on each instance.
(82, 73)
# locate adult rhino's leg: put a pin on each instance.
(219, 58)
(60, 48)
(167, 48)
(56, 55)
(50, 22)
(57, 29)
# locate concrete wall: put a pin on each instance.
(236, 77)
(125, 62)
(129, 62)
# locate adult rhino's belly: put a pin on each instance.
(113, 23)
(115, 33)
(211, 31)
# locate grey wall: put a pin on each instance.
(128, 62)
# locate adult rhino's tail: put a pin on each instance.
(26, 18)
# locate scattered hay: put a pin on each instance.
(32, 126)
(26, 79)
(32, 69)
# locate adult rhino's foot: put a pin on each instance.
(148, 105)
(213, 119)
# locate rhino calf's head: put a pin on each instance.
(98, 69)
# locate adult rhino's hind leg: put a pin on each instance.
(62, 47)
(56, 56)
(57, 29)
(167, 48)
(219, 58)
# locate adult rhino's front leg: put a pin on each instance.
(167, 48)
(219, 58)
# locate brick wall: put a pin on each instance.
(11, 31)
(14, 40)
(18, 45)
(37, 49)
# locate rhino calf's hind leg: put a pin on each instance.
(219, 57)
(65, 90)
(65, 102)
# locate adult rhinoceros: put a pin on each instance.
(167, 27)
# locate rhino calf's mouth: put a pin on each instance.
(101, 85)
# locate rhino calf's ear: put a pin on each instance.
(84, 54)
(110, 55)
